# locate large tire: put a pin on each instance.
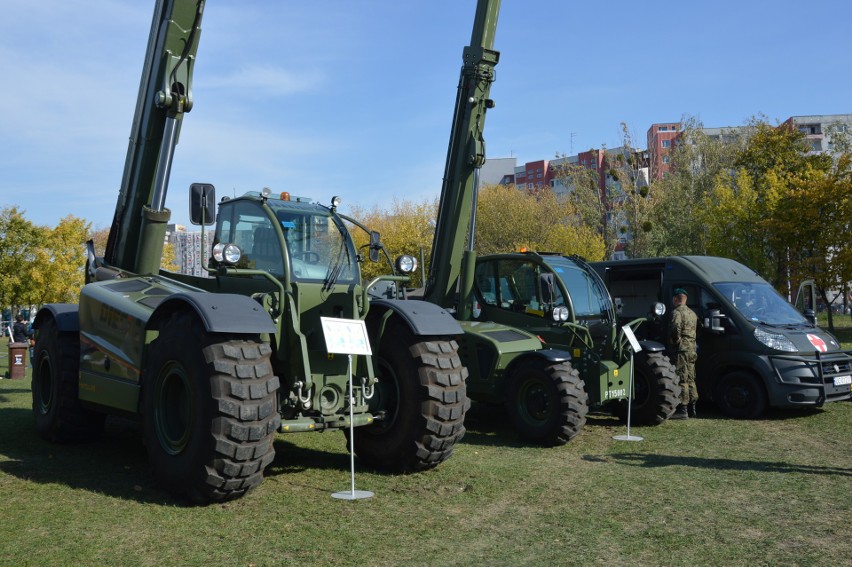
(656, 390)
(423, 398)
(210, 411)
(547, 402)
(741, 395)
(59, 416)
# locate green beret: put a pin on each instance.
(679, 291)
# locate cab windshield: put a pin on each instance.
(588, 295)
(760, 303)
(316, 243)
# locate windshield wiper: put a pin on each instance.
(335, 270)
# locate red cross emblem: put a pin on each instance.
(818, 343)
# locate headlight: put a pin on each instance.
(560, 314)
(659, 309)
(227, 253)
(775, 341)
(406, 264)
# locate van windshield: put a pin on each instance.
(759, 302)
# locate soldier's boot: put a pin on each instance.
(691, 410)
(680, 413)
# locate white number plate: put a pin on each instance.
(841, 380)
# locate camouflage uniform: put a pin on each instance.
(682, 340)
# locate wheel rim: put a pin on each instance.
(641, 389)
(535, 402)
(173, 410)
(44, 379)
(386, 395)
(739, 395)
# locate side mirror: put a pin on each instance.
(375, 246)
(713, 322)
(548, 287)
(202, 204)
(810, 315)
(619, 305)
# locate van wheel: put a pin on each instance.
(741, 395)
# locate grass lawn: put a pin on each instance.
(710, 491)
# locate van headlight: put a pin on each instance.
(775, 341)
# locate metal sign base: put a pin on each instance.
(635, 348)
(352, 494)
(628, 438)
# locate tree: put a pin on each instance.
(407, 228)
(631, 203)
(169, 259)
(19, 240)
(811, 225)
(99, 237)
(697, 159)
(508, 219)
(167, 262)
(741, 208)
(57, 272)
(785, 212)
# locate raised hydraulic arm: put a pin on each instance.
(465, 156)
(136, 237)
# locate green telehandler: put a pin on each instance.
(213, 367)
(541, 333)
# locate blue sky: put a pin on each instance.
(355, 98)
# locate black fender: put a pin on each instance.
(66, 315)
(422, 317)
(550, 355)
(220, 312)
(652, 346)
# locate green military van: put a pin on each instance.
(754, 348)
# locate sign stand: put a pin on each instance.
(348, 336)
(634, 347)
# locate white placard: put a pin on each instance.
(345, 336)
(631, 338)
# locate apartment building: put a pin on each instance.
(819, 129)
(661, 139)
(190, 250)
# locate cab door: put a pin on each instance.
(512, 291)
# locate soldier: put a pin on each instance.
(682, 340)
